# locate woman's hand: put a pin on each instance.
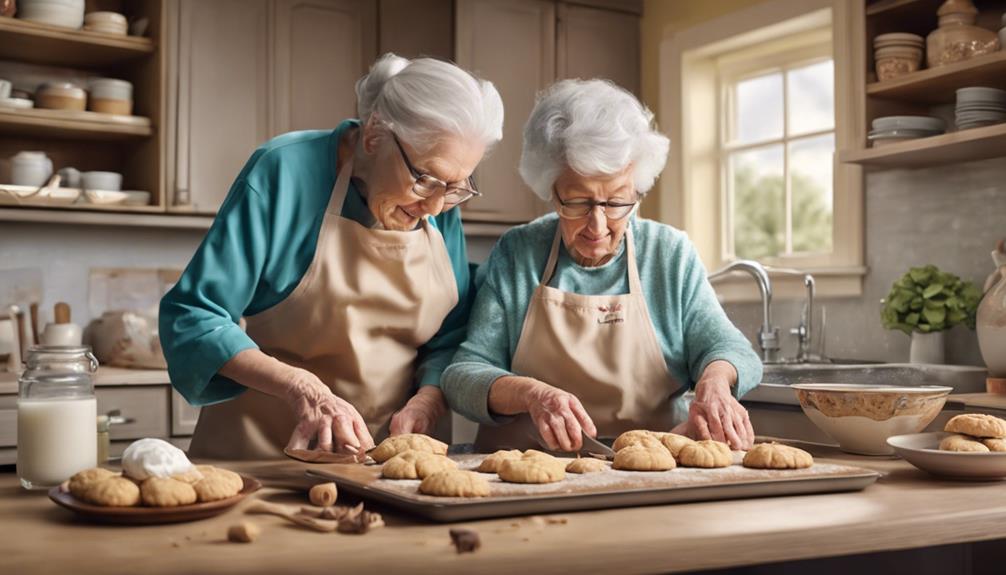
(322, 415)
(557, 415)
(715, 414)
(421, 413)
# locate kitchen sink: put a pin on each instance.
(778, 377)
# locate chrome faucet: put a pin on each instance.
(805, 331)
(768, 334)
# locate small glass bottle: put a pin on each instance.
(56, 415)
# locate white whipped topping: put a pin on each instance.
(154, 458)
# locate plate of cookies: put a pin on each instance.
(972, 446)
(157, 484)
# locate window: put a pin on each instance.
(776, 151)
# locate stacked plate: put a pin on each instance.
(892, 129)
(979, 106)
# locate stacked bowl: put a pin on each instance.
(978, 106)
(893, 129)
(897, 54)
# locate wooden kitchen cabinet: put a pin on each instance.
(596, 43)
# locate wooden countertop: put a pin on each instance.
(104, 376)
(904, 509)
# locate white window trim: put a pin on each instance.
(690, 191)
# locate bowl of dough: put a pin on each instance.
(860, 417)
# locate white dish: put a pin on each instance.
(10, 194)
(922, 451)
(861, 417)
(105, 197)
(101, 181)
(136, 198)
(65, 14)
(909, 122)
(16, 103)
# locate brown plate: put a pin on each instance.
(152, 515)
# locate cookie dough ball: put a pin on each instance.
(640, 458)
(491, 464)
(586, 465)
(217, 483)
(637, 437)
(167, 492)
(958, 442)
(533, 469)
(84, 480)
(414, 464)
(706, 453)
(977, 425)
(115, 491)
(323, 494)
(392, 446)
(146, 458)
(455, 483)
(674, 442)
(995, 444)
(777, 456)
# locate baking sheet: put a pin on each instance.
(611, 488)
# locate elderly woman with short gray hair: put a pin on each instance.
(343, 249)
(591, 319)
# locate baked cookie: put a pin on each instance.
(640, 458)
(532, 469)
(706, 453)
(414, 464)
(586, 465)
(637, 437)
(217, 484)
(455, 483)
(167, 492)
(84, 480)
(392, 446)
(958, 442)
(115, 491)
(777, 456)
(491, 464)
(995, 444)
(977, 425)
(674, 442)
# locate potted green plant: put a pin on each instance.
(924, 303)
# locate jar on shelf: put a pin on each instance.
(56, 415)
(957, 38)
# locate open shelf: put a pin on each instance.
(36, 43)
(939, 85)
(123, 216)
(72, 124)
(963, 146)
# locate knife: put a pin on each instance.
(589, 445)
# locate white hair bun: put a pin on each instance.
(369, 86)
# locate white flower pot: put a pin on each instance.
(928, 348)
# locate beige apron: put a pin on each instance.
(601, 348)
(368, 301)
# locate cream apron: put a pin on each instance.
(601, 348)
(368, 301)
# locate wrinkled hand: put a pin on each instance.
(321, 415)
(559, 416)
(421, 413)
(715, 414)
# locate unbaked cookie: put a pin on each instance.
(674, 442)
(84, 480)
(977, 425)
(777, 456)
(641, 437)
(640, 458)
(959, 442)
(491, 464)
(167, 492)
(217, 484)
(115, 491)
(586, 465)
(532, 469)
(995, 444)
(706, 453)
(414, 464)
(455, 483)
(392, 446)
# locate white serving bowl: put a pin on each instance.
(922, 450)
(63, 13)
(860, 417)
(101, 181)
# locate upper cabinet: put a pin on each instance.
(596, 43)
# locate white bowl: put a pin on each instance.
(922, 450)
(909, 123)
(101, 181)
(66, 14)
(110, 88)
(16, 103)
(136, 198)
(860, 417)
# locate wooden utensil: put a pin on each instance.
(292, 515)
(33, 309)
(22, 334)
(61, 312)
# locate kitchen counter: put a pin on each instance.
(905, 509)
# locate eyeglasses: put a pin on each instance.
(426, 186)
(575, 209)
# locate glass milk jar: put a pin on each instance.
(56, 415)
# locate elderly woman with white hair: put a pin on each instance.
(591, 319)
(344, 251)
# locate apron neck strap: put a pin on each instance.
(635, 285)
(340, 188)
